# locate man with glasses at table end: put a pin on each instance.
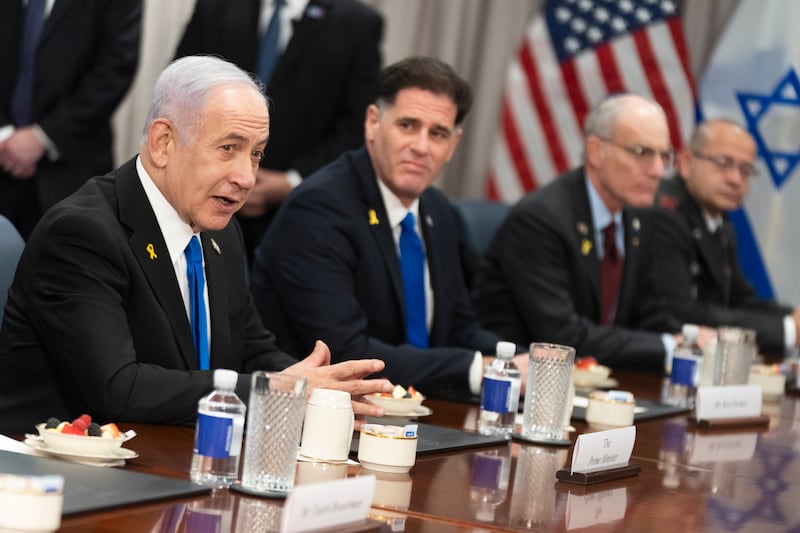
(695, 241)
(572, 263)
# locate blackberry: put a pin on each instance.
(52, 423)
(94, 430)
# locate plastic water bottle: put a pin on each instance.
(686, 363)
(500, 392)
(218, 437)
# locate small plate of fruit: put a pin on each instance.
(400, 402)
(81, 437)
(587, 372)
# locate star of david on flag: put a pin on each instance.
(574, 54)
(752, 77)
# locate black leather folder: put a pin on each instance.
(91, 488)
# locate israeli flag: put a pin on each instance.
(752, 78)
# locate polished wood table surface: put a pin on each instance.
(691, 480)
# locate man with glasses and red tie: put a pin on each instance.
(695, 241)
(572, 262)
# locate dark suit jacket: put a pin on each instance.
(85, 63)
(96, 324)
(700, 272)
(322, 83)
(328, 270)
(540, 280)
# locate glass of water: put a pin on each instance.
(548, 391)
(274, 424)
(736, 350)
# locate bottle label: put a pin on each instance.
(495, 395)
(684, 371)
(218, 435)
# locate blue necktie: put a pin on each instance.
(22, 97)
(197, 304)
(412, 264)
(268, 52)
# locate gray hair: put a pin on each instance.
(602, 120)
(181, 91)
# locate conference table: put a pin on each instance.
(691, 479)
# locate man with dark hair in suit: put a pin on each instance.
(572, 263)
(695, 241)
(103, 316)
(337, 260)
(329, 57)
(65, 66)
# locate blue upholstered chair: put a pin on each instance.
(478, 221)
(11, 245)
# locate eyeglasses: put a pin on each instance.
(644, 154)
(726, 163)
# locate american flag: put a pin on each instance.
(573, 55)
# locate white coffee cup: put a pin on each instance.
(328, 426)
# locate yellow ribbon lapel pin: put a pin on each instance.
(373, 218)
(152, 251)
(586, 247)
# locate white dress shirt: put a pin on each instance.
(177, 235)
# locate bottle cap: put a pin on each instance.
(505, 350)
(690, 332)
(225, 379)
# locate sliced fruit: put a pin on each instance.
(110, 431)
(72, 429)
(586, 363)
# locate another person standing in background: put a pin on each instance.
(328, 57)
(65, 66)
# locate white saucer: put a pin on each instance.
(600, 383)
(119, 454)
(420, 411)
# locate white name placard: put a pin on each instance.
(328, 504)
(728, 401)
(585, 510)
(722, 448)
(603, 450)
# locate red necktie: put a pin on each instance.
(610, 273)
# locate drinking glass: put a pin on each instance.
(547, 393)
(274, 422)
(736, 350)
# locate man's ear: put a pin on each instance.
(372, 122)
(595, 151)
(454, 142)
(683, 161)
(160, 141)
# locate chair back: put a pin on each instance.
(478, 222)
(11, 245)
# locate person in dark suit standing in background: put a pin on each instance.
(65, 66)
(365, 252)
(328, 57)
(572, 263)
(107, 314)
(695, 241)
